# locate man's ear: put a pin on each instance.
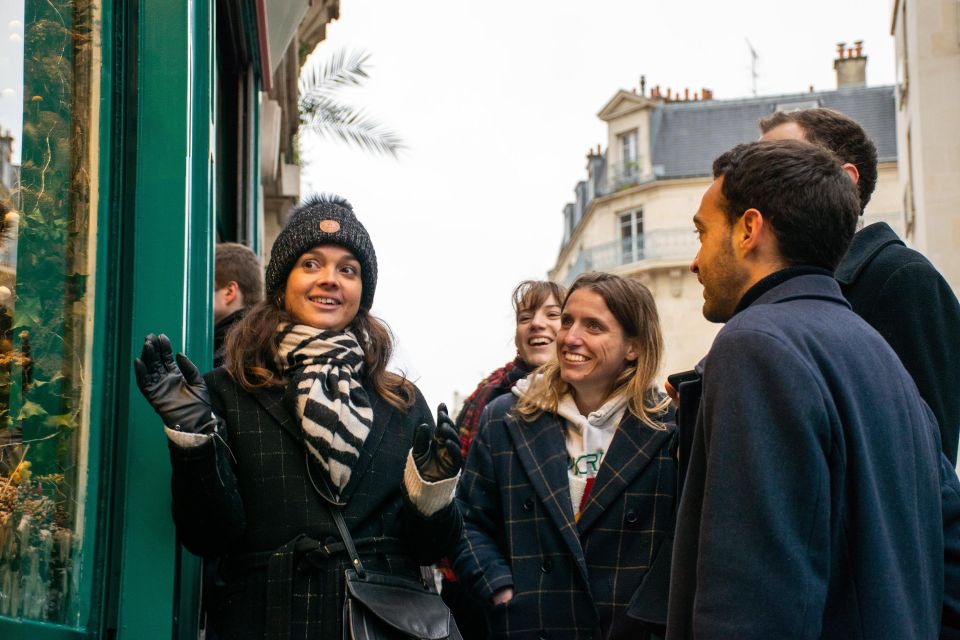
(230, 292)
(851, 170)
(751, 230)
(633, 351)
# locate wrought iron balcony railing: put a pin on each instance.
(662, 244)
(623, 175)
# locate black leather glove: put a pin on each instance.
(437, 451)
(174, 389)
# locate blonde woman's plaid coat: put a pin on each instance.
(571, 579)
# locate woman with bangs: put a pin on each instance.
(536, 308)
(569, 490)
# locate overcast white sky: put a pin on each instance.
(498, 101)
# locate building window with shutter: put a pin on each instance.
(631, 236)
(629, 170)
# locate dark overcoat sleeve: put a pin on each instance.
(918, 314)
(429, 537)
(763, 560)
(207, 507)
(480, 562)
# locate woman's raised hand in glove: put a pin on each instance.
(437, 451)
(174, 389)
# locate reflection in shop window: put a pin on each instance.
(49, 89)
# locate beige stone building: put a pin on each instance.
(927, 35)
(633, 213)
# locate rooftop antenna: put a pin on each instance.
(753, 66)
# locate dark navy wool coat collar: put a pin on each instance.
(808, 287)
(866, 244)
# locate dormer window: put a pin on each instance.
(628, 150)
(626, 172)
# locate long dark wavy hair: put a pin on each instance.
(253, 361)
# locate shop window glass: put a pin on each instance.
(49, 93)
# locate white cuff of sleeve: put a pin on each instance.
(427, 497)
(186, 440)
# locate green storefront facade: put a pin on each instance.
(138, 151)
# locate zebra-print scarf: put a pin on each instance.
(334, 410)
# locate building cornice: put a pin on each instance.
(613, 109)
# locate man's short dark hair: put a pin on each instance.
(838, 133)
(802, 192)
(237, 263)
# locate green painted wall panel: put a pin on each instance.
(171, 293)
(198, 337)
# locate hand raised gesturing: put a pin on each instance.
(437, 451)
(174, 389)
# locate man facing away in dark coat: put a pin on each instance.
(817, 502)
(238, 279)
(894, 288)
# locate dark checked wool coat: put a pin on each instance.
(570, 579)
(245, 505)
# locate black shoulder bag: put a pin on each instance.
(383, 606)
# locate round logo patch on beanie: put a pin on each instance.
(329, 226)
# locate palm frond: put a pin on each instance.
(323, 115)
(343, 69)
(334, 120)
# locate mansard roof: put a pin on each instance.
(687, 136)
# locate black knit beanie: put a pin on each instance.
(322, 219)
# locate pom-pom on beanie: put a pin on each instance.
(322, 219)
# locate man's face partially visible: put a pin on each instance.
(716, 266)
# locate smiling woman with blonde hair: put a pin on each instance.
(569, 488)
(633, 307)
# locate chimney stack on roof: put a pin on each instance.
(850, 65)
(669, 95)
(594, 163)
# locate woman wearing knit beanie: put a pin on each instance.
(303, 414)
